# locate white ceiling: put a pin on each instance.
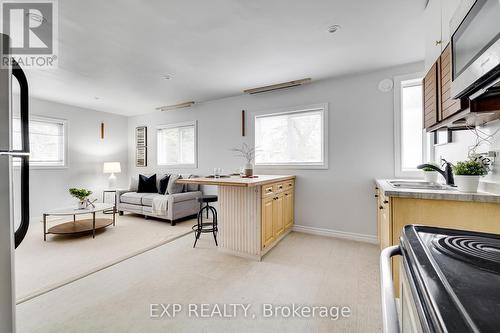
(118, 50)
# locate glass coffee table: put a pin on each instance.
(79, 226)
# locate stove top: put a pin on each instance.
(455, 276)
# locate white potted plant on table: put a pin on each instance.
(82, 195)
(467, 174)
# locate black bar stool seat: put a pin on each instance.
(206, 227)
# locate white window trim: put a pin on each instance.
(65, 123)
(182, 124)
(311, 166)
(398, 171)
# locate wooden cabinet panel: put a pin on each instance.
(278, 215)
(430, 97)
(473, 216)
(267, 221)
(448, 106)
(288, 208)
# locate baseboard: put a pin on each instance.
(336, 234)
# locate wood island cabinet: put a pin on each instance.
(277, 211)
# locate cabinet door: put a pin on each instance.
(278, 216)
(267, 221)
(288, 209)
(430, 96)
(432, 32)
(448, 105)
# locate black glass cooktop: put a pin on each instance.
(456, 278)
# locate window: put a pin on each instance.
(47, 141)
(177, 145)
(411, 141)
(295, 138)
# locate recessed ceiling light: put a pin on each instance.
(167, 76)
(334, 28)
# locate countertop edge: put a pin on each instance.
(238, 184)
(481, 197)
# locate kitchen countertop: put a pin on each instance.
(236, 180)
(391, 191)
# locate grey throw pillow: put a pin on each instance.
(173, 187)
(193, 187)
(134, 184)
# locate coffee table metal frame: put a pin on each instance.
(99, 207)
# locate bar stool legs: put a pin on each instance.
(206, 227)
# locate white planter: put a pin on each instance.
(467, 183)
(431, 176)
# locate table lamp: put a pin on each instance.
(112, 168)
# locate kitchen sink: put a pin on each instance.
(416, 185)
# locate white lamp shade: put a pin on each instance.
(112, 167)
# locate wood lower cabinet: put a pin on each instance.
(464, 215)
(288, 208)
(267, 221)
(277, 210)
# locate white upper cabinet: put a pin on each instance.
(448, 8)
(437, 16)
(432, 24)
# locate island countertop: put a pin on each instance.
(236, 180)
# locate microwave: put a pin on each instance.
(475, 46)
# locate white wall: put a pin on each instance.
(458, 150)
(360, 144)
(86, 155)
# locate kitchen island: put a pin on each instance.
(254, 213)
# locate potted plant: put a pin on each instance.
(467, 174)
(249, 154)
(82, 195)
(431, 175)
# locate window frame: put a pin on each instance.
(53, 120)
(290, 110)
(175, 125)
(427, 148)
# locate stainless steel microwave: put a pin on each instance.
(475, 46)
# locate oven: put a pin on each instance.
(475, 46)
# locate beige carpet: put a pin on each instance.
(302, 269)
(41, 266)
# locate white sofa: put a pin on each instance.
(179, 205)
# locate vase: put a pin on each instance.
(248, 170)
(431, 176)
(467, 184)
(82, 204)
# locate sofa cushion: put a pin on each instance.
(173, 187)
(147, 199)
(147, 184)
(133, 198)
(162, 188)
(134, 183)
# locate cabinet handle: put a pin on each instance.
(269, 190)
(380, 207)
(385, 201)
(438, 42)
(376, 195)
(286, 194)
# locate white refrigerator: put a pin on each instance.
(11, 235)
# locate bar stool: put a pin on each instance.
(206, 227)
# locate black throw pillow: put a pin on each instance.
(163, 184)
(147, 184)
